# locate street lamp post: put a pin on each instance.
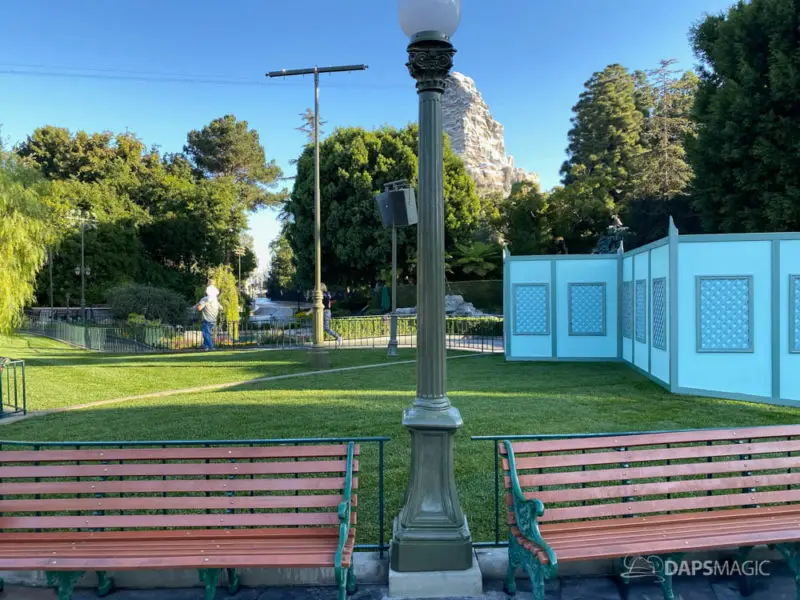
(82, 218)
(239, 252)
(431, 532)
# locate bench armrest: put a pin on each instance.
(345, 507)
(528, 512)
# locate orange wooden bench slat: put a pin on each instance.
(681, 529)
(652, 439)
(549, 461)
(657, 521)
(171, 520)
(643, 507)
(167, 534)
(196, 469)
(168, 503)
(611, 550)
(177, 453)
(656, 472)
(174, 485)
(664, 487)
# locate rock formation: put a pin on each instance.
(477, 138)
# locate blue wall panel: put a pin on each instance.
(790, 361)
(627, 338)
(659, 359)
(528, 346)
(641, 276)
(587, 271)
(748, 373)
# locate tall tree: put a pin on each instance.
(664, 171)
(281, 278)
(524, 220)
(226, 147)
(308, 125)
(25, 231)
(746, 156)
(354, 166)
(606, 136)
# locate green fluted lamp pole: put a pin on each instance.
(431, 533)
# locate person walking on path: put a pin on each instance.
(209, 307)
(327, 316)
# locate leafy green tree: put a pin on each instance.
(478, 260)
(580, 212)
(153, 303)
(282, 271)
(25, 231)
(524, 220)
(354, 166)
(226, 148)
(606, 136)
(745, 156)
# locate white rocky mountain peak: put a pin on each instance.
(478, 138)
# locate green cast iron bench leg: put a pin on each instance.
(233, 581)
(209, 578)
(64, 582)
(791, 552)
(352, 584)
(536, 571)
(105, 584)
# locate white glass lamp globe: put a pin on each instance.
(417, 16)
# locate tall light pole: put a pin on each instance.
(239, 252)
(317, 297)
(431, 532)
(82, 218)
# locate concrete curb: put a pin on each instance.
(211, 388)
(370, 569)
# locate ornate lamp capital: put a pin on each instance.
(430, 59)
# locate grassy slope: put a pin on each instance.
(58, 375)
(494, 397)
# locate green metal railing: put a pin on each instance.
(478, 334)
(13, 393)
(366, 503)
(498, 481)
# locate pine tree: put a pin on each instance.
(664, 171)
(606, 136)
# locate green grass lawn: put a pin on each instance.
(58, 375)
(494, 397)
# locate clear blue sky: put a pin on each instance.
(528, 58)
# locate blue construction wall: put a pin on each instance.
(724, 317)
(789, 311)
(644, 308)
(560, 307)
(714, 315)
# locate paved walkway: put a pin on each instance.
(777, 587)
(212, 388)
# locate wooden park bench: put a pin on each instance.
(650, 498)
(66, 512)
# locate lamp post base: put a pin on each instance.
(391, 349)
(431, 532)
(319, 357)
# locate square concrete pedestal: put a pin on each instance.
(437, 584)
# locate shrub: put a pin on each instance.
(148, 302)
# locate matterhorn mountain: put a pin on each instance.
(478, 138)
